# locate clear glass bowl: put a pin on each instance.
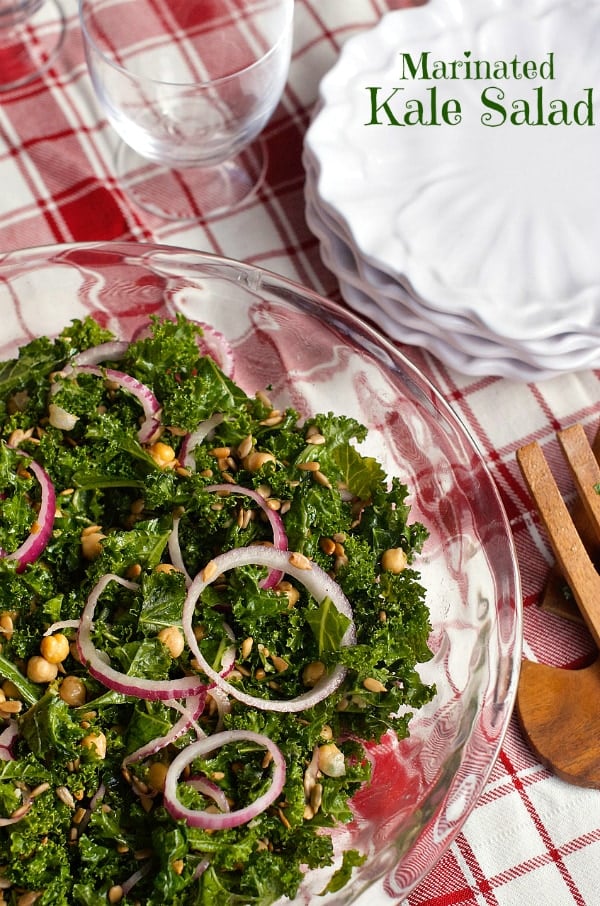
(317, 357)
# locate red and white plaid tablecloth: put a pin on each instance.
(531, 838)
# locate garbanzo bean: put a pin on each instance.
(172, 639)
(394, 560)
(95, 742)
(313, 672)
(162, 454)
(55, 648)
(91, 546)
(39, 670)
(73, 691)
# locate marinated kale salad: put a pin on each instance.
(206, 605)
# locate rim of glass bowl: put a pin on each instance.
(455, 798)
(283, 36)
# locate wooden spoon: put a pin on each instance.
(558, 709)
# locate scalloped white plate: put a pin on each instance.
(450, 338)
(500, 226)
(399, 323)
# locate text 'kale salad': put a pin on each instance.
(206, 604)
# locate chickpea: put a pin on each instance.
(163, 455)
(73, 691)
(293, 595)
(39, 670)
(256, 460)
(91, 546)
(172, 639)
(157, 773)
(96, 743)
(394, 560)
(313, 672)
(55, 648)
(331, 760)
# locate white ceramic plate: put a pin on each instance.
(451, 338)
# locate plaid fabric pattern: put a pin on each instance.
(531, 837)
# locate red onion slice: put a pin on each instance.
(174, 549)
(192, 711)
(233, 818)
(7, 740)
(133, 879)
(143, 394)
(316, 581)
(39, 536)
(210, 789)
(62, 624)
(195, 437)
(113, 350)
(280, 540)
(150, 690)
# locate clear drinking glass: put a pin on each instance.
(31, 34)
(188, 85)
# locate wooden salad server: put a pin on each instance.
(559, 709)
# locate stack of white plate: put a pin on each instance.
(477, 236)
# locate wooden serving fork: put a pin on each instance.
(559, 709)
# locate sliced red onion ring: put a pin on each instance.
(150, 690)
(174, 549)
(316, 581)
(133, 879)
(98, 796)
(201, 868)
(148, 401)
(113, 351)
(7, 740)
(280, 540)
(223, 705)
(211, 791)
(142, 393)
(192, 711)
(233, 818)
(195, 437)
(185, 708)
(39, 536)
(62, 624)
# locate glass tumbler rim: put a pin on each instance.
(83, 5)
(18, 11)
